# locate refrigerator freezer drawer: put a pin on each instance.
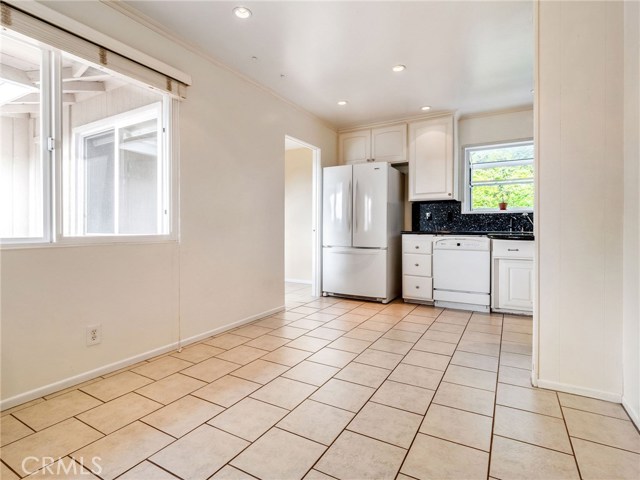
(353, 271)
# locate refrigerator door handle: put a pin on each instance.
(350, 207)
(355, 205)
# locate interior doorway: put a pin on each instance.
(302, 174)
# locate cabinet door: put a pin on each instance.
(431, 159)
(515, 284)
(389, 144)
(354, 147)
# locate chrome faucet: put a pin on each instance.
(526, 215)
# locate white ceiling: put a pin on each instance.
(465, 56)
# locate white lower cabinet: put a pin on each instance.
(417, 279)
(513, 276)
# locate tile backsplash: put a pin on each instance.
(446, 215)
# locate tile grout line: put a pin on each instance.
(275, 425)
(11, 469)
(152, 463)
(524, 410)
(596, 413)
(365, 402)
(435, 391)
(605, 445)
(495, 401)
(534, 445)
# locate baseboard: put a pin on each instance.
(576, 390)
(633, 414)
(297, 280)
(112, 367)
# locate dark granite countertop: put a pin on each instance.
(493, 235)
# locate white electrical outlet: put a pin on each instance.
(94, 334)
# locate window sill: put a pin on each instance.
(493, 212)
(92, 242)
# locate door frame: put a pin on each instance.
(316, 214)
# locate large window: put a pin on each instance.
(85, 151)
(499, 174)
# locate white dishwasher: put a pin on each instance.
(462, 273)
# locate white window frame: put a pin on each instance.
(77, 202)
(46, 155)
(466, 150)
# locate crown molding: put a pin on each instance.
(504, 111)
(397, 120)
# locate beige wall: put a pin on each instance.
(227, 267)
(298, 191)
(631, 238)
(580, 196)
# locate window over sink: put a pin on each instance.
(499, 177)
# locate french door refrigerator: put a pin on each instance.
(362, 219)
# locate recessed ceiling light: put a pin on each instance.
(342, 103)
(399, 68)
(425, 108)
(242, 12)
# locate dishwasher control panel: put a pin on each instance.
(463, 243)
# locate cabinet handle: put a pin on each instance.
(513, 249)
(417, 247)
(449, 194)
(417, 264)
(417, 287)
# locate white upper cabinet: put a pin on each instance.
(431, 159)
(382, 144)
(389, 144)
(355, 147)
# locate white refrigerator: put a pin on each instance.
(362, 218)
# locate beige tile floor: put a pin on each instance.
(329, 388)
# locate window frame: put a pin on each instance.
(152, 111)
(47, 60)
(467, 197)
(51, 147)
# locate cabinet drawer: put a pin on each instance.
(512, 249)
(417, 243)
(420, 288)
(416, 264)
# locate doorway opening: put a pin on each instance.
(302, 175)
